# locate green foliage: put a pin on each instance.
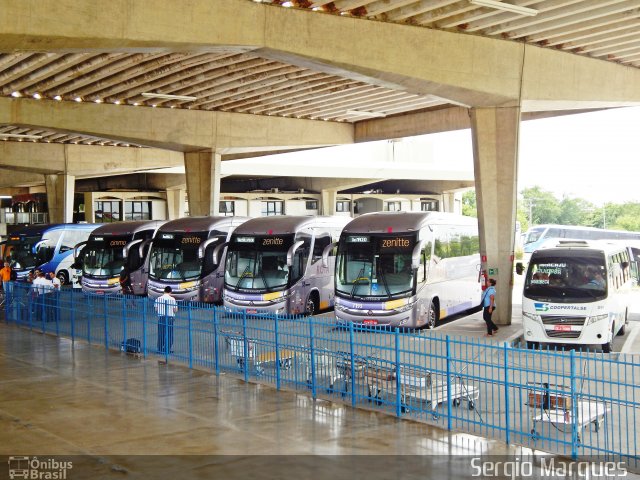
(536, 206)
(469, 206)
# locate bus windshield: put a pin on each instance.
(566, 279)
(19, 252)
(174, 256)
(103, 257)
(533, 235)
(260, 263)
(375, 266)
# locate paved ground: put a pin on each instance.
(123, 417)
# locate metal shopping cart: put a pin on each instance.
(349, 369)
(554, 406)
(418, 387)
(246, 350)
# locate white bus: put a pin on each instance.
(407, 269)
(187, 255)
(540, 235)
(275, 264)
(577, 292)
(110, 249)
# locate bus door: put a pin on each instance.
(135, 253)
(301, 285)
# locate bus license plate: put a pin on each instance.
(370, 322)
(252, 310)
(562, 328)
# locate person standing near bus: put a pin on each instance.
(488, 306)
(166, 308)
(5, 274)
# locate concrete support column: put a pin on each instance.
(60, 190)
(329, 197)
(175, 203)
(495, 155)
(203, 182)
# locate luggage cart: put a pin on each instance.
(236, 343)
(554, 405)
(417, 387)
(325, 366)
(348, 370)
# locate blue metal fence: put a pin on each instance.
(578, 404)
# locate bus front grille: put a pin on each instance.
(557, 334)
(562, 320)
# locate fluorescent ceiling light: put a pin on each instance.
(168, 97)
(20, 135)
(363, 113)
(507, 7)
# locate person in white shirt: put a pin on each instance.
(166, 308)
(41, 288)
(54, 300)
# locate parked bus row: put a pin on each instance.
(389, 268)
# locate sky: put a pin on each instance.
(594, 156)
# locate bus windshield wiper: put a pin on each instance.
(382, 276)
(264, 280)
(244, 274)
(359, 278)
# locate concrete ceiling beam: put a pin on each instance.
(84, 160)
(173, 129)
(455, 66)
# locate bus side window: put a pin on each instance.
(319, 246)
(425, 259)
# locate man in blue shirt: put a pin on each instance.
(488, 306)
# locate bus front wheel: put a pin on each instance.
(432, 315)
(608, 347)
(312, 304)
(63, 276)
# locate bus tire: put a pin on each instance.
(623, 328)
(432, 315)
(311, 306)
(532, 345)
(63, 276)
(608, 347)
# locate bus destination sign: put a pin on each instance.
(358, 239)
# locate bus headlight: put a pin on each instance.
(531, 316)
(597, 318)
(404, 308)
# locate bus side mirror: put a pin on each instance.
(326, 252)
(519, 268)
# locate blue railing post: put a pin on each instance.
(165, 319)
(312, 357)
(506, 390)
(448, 354)
(43, 311)
(190, 332)
(353, 367)
(73, 317)
(106, 322)
(246, 346)
(215, 341)
(399, 408)
(144, 301)
(87, 313)
(124, 322)
(32, 305)
(574, 407)
(275, 331)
